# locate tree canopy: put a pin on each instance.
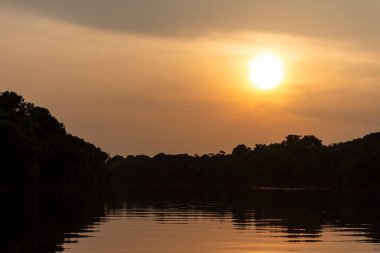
(298, 161)
(37, 152)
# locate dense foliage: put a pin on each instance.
(36, 151)
(298, 161)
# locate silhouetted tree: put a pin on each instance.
(36, 151)
(241, 150)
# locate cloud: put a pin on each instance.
(347, 19)
(347, 105)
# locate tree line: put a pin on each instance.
(37, 152)
(296, 162)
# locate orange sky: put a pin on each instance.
(171, 76)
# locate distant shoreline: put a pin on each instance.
(242, 188)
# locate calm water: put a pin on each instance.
(202, 221)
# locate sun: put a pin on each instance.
(266, 71)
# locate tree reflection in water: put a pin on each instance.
(43, 225)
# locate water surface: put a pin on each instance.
(210, 221)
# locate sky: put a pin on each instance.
(151, 76)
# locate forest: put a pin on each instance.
(38, 154)
(296, 162)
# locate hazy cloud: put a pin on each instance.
(155, 95)
(344, 19)
(345, 105)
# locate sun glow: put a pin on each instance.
(266, 71)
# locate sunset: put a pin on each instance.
(266, 71)
(172, 103)
(117, 69)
